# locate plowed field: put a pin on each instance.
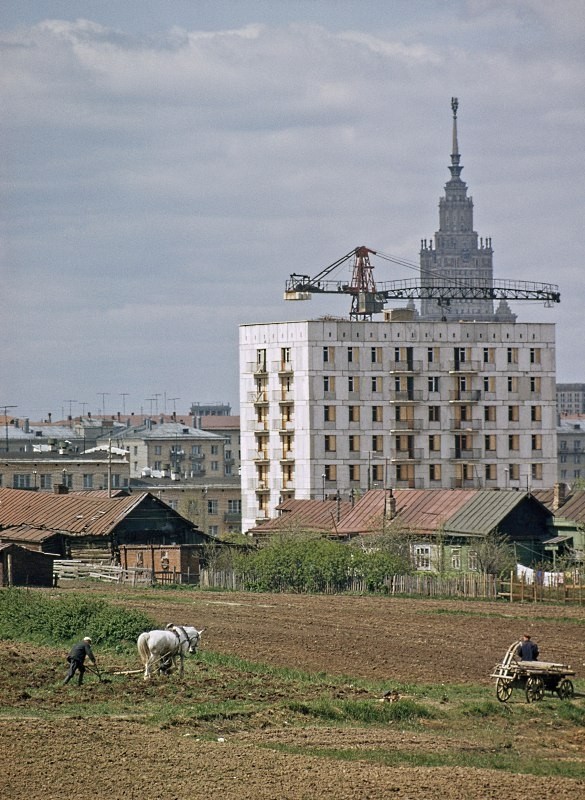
(59, 742)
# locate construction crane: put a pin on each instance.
(368, 298)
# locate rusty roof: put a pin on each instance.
(25, 533)
(317, 515)
(574, 508)
(75, 514)
(423, 510)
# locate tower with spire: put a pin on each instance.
(456, 256)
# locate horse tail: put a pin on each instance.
(143, 648)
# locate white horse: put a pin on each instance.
(160, 649)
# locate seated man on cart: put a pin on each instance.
(527, 650)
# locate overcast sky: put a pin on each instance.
(166, 165)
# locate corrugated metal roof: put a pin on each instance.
(318, 515)
(484, 512)
(74, 513)
(574, 508)
(165, 430)
(25, 533)
(423, 510)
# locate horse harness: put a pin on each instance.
(176, 628)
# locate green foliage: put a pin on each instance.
(486, 708)
(307, 562)
(369, 712)
(571, 713)
(50, 619)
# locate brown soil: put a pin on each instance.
(48, 752)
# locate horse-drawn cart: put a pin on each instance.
(533, 677)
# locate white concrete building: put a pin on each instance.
(334, 405)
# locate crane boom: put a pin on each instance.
(367, 297)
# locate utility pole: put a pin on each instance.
(83, 405)
(70, 407)
(6, 421)
(124, 395)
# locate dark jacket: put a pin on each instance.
(527, 651)
(79, 651)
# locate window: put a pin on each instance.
(472, 561)
(376, 355)
(260, 360)
(213, 530)
(195, 449)
(488, 355)
(328, 355)
(536, 472)
(67, 480)
(234, 506)
(432, 355)
(330, 472)
(376, 413)
(212, 506)
(536, 441)
(214, 449)
(158, 450)
(354, 444)
(535, 384)
(536, 413)
(422, 556)
(489, 384)
(352, 355)
(513, 413)
(354, 413)
(489, 413)
(397, 384)
(513, 441)
(378, 473)
(330, 444)
(215, 466)
(285, 355)
(514, 472)
(455, 558)
(46, 482)
(490, 443)
(353, 384)
(434, 413)
(329, 413)
(135, 451)
(512, 383)
(490, 472)
(376, 384)
(434, 472)
(354, 472)
(535, 355)
(435, 443)
(328, 383)
(433, 383)
(512, 355)
(88, 481)
(377, 444)
(21, 481)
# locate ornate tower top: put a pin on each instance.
(455, 168)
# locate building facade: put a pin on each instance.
(571, 450)
(571, 398)
(336, 406)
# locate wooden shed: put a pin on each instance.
(20, 566)
(169, 563)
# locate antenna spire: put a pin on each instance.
(455, 168)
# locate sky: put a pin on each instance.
(166, 165)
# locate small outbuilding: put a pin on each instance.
(20, 566)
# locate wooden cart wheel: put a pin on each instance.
(534, 689)
(565, 689)
(503, 689)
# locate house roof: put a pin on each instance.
(317, 515)
(164, 430)
(218, 422)
(484, 512)
(74, 513)
(574, 508)
(26, 533)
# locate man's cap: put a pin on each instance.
(87, 639)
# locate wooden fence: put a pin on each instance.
(571, 589)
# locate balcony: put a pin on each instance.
(261, 425)
(259, 455)
(232, 517)
(262, 486)
(472, 454)
(406, 425)
(258, 398)
(464, 396)
(466, 425)
(466, 366)
(405, 366)
(412, 396)
(284, 396)
(412, 454)
(282, 367)
(287, 455)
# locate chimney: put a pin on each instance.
(559, 495)
(390, 511)
(26, 425)
(60, 488)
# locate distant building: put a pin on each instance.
(215, 409)
(571, 450)
(571, 398)
(53, 471)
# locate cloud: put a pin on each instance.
(160, 188)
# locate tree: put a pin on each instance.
(495, 554)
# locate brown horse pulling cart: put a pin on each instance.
(533, 677)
